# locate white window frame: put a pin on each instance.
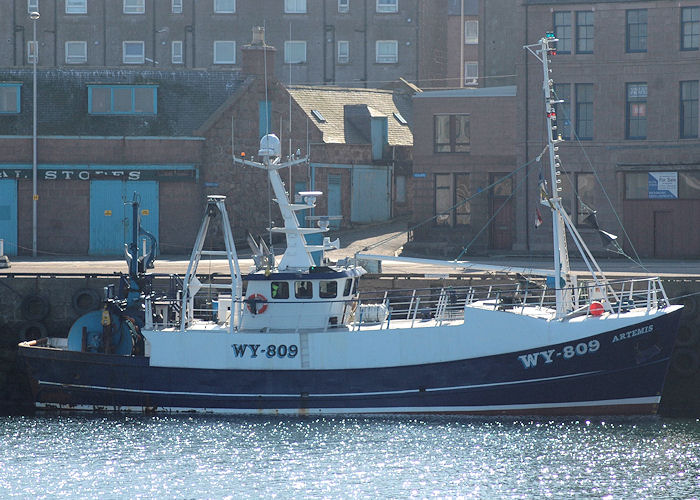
(134, 7)
(386, 59)
(471, 72)
(343, 6)
(32, 52)
(176, 6)
(131, 59)
(293, 45)
(473, 37)
(387, 6)
(76, 59)
(32, 6)
(295, 6)
(218, 46)
(220, 8)
(176, 52)
(343, 52)
(76, 6)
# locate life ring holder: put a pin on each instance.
(255, 299)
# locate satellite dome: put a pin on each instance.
(270, 146)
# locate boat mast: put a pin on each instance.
(562, 271)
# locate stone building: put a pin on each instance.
(348, 42)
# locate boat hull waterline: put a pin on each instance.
(614, 372)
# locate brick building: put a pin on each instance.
(349, 42)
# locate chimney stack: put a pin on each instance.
(256, 54)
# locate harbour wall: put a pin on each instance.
(38, 305)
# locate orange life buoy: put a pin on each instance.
(252, 303)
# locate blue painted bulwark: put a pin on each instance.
(8, 215)
(110, 223)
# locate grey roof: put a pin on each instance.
(338, 105)
(185, 100)
(504, 91)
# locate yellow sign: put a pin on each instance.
(144, 211)
(108, 213)
(36, 197)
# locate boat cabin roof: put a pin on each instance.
(313, 273)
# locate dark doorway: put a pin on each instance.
(501, 213)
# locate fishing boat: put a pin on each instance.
(298, 337)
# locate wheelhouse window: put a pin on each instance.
(225, 52)
(279, 290)
(562, 31)
(689, 109)
(637, 30)
(387, 6)
(636, 111)
(224, 6)
(122, 99)
(295, 52)
(133, 52)
(584, 111)
(328, 289)
(294, 6)
(76, 52)
(76, 6)
(134, 6)
(303, 290)
(584, 32)
(387, 51)
(451, 134)
(348, 287)
(9, 98)
(690, 28)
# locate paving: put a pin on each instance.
(384, 239)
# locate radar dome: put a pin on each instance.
(270, 146)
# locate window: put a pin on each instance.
(343, 51)
(400, 188)
(348, 287)
(343, 6)
(387, 51)
(294, 52)
(122, 99)
(471, 31)
(76, 6)
(9, 98)
(225, 52)
(327, 289)
(387, 5)
(636, 111)
(295, 6)
(32, 6)
(451, 133)
(279, 290)
(32, 52)
(471, 73)
(133, 52)
(176, 6)
(584, 32)
(176, 52)
(134, 6)
(689, 109)
(659, 185)
(224, 6)
(76, 52)
(584, 111)
(451, 195)
(562, 30)
(637, 30)
(303, 290)
(562, 92)
(690, 28)
(585, 188)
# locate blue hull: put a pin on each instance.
(624, 374)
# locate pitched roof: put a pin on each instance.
(339, 128)
(185, 99)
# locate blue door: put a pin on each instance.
(371, 194)
(335, 206)
(110, 219)
(8, 215)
